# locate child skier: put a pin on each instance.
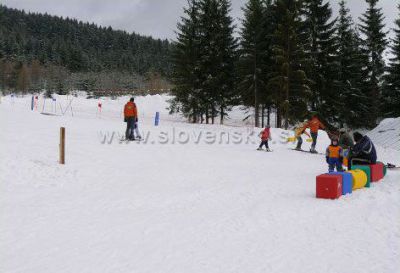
(334, 156)
(265, 135)
(298, 132)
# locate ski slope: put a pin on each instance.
(178, 202)
(387, 134)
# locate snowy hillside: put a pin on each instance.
(190, 198)
(387, 134)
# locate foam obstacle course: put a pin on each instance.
(335, 184)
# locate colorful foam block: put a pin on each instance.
(347, 181)
(376, 172)
(359, 179)
(384, 168)
(329, 186)
(367, 170)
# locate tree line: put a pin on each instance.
(44, 52)
(292, 56)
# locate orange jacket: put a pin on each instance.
(315, 124)
(334, 151)
(130, 110)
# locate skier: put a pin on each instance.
(334, 156)
(363, 152)
(300, 130)
(314, 124)
(130, 117)
(265, 135)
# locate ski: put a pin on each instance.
(129, 140)
(391, 166)
(270, 151)
(304, 151)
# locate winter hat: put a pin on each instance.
(357, 136)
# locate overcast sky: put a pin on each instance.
(157, 18)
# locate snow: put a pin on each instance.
(387, 134)
(179, 206)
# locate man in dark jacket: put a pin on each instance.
(363, 152)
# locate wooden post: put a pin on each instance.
(62, 145)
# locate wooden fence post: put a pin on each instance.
(62, 145)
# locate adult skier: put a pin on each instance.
(130, 117)
(314, 124)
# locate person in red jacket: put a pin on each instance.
(265, 135)
(314, 124)
(130, 117)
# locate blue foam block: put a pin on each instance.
(347, 186)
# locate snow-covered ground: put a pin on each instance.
(191, 198)
(387, 134)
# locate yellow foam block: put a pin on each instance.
(359, 179)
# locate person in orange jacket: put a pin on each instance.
(130, 117)
(265, 135)
(314, 124)
(334, 156)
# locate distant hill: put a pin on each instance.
(43, 52)
(77, 45)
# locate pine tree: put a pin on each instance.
(351, 100)
(391, 90)
(288, 78)
(217, 57)
(185, 59)
(227, 58)
(254, 53)
(374, 43)
(208, 35)
(320, 46)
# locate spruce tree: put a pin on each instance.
(288, 77)
(391, 90)
(254, 55)
(185, 59)
(374, 44)
(351, 100)
(227, 58)
(217, 58)
(320, 46)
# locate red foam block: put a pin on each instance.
(376, 172)
(329, 186)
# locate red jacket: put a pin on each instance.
(265, 134)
